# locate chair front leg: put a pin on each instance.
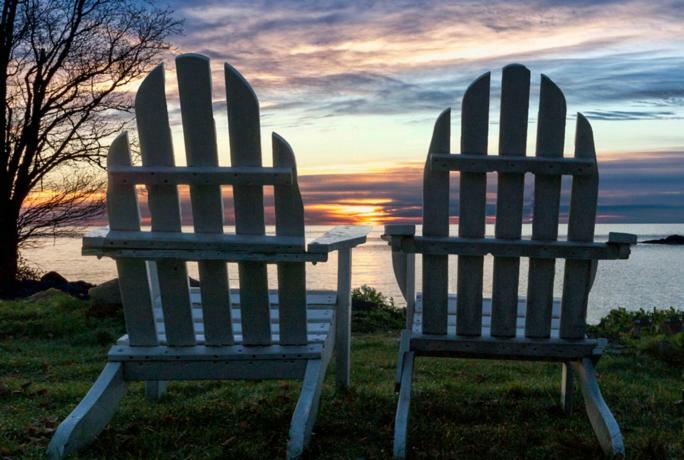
(343, 319)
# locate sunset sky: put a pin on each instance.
(355, 87)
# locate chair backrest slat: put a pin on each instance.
(124, 214)
(579, 274)
(194, 87)
(550, 143)
(157, 150)
(436, 223)
(515, 94)
(289, 215)
(472, 203)
(245, 150)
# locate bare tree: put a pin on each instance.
(64, 70)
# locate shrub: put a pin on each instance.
(373, 312)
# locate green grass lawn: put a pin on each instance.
(51, 352)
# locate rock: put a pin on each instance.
(42, 295)
(672, 239)
(106, 293)
(53, 279)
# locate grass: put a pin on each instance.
(51, 352)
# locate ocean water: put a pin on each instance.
(652, 277)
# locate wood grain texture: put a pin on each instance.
(156, 149)
(550, 143)
(579, 273)
(123, 214)
(194, 87)
(515, 93)
(289, 214)
(472, 203)
(245, 150)
(436, 223)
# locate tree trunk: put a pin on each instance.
(9, 253)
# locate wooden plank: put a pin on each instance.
(186, 255)
(602, 420)
(550, 142)
(472, 203)
(123, 214)
(157, 150)
(289, 215)
(91, 415)
(277, 369)
(343, 319)
(567, 388)
(340, 237)
(199, 175)
(578, 273)
(514, 248)
(497, 348)
(436, 223)
(245, 150)
(474, 163)
(401, 418)
(214, 353)
(515, 94)
(487, 306)
(194, 88)
(306, 410)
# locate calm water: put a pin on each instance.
(652, 277)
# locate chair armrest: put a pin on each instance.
(396, 233)
(342, 237)
(623, 242)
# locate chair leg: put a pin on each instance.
(305, 412)
(602, 420)
(403, 348)
(91, 415)
(567, 388)
(403, 407)
(343, 320)
(155, 389)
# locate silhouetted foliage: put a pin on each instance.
(64, 67)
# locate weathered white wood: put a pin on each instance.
(404, 267)
(404, 343)
(403, 407)
(289, 214)
(245, 150)
(578, 273)
(399, 229)
(194, 88)
(487, 306)
(157, 150)
(341, 237)
(550, 142)
(155, 389)
(306, 410)
(515, 94)
(91, 415)
(474, 163)
(277, 369)
(164, 254)
(515, 248)
(472, 202)
(123, 214)
(496, 348)
(199, 175)
(602, 420)
(567, 389)
(343, 319)
(436, 223)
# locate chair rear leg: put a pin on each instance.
(403, 407)
(602, 420)
(305, 412)
(155, 389)
(91, 415)
(567, 388)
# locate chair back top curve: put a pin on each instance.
(169, 248)
(511, 164)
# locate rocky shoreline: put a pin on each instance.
(671, 240)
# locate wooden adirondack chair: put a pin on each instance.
(179, 333)
(538, 328)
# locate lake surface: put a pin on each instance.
(652, 277)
